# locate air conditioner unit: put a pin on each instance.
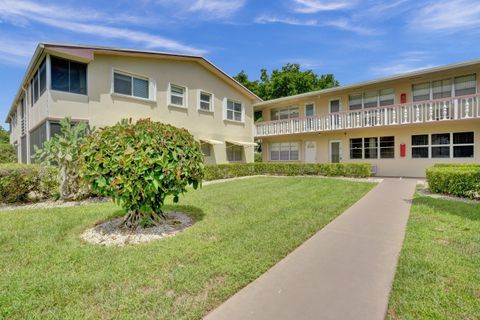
(374, 170)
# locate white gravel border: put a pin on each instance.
(110, 233)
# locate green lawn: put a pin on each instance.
(243, 228)
(438, 276)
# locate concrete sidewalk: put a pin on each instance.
(345, 271)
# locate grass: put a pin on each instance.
(244, 227)
(438, 276)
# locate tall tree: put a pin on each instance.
(287, 81)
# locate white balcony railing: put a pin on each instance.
(447, 109)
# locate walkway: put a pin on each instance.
(345, 271)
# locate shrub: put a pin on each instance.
(457, 180)
(7, 153)
(258, 157)
(140, 164)
(64, 151)
(23, 182)
(224, 171)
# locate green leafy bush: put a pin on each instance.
(224, 171)
(140, 164)
(25, 183)
(457, 180)
(64, 151)
(7, 153)
(258, 157)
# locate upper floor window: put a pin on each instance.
(234, 110)
(38, 85)
(69, 76)
(309, 110)
(130, 85)
(205, 101)
(387, 97)
(371, 99)
(445, 88)
(178, 95)
(355, 101)
(284, 113)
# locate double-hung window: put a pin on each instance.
(443, 145)
(442, 89)
(355, 101)
(205, 101)
(284, 151)
(465, 85)
(234, 153)
(372, 148)
(234, 110)
(130, 85)
(421, 91)
(387, 97)
(68, 76)
(309, 110)
(284, 113)
(178, 95)
(370, 99)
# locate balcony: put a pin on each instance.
(448, 109)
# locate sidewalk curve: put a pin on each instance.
(345, 271)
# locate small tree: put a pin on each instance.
(64, 150)
(140, 164)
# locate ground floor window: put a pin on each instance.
(443, 145)
(234, 152)
(372, 148)
(284, 151)
(206, 149)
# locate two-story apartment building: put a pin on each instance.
(102, 85)
(401, 124)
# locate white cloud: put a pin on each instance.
(86, 22)
(342, 24)
(406, 62)
(205, 9)
(314, 6)
(15, 51)
(447, 15)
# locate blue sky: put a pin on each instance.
(353, 39)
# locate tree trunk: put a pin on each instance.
(136, 219)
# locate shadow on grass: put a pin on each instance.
(464, 210)
(195, 213)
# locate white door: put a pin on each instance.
(335, 151)
(310, 151)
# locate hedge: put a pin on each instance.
(224, 171)
(26, 183)
(457, 165)
(7, 153)
(457, 180)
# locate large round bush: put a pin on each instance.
(140, 164)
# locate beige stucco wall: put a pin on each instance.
(407, 166)
(102, 108)
(400, 86)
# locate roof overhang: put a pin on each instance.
(357, 85)
(210, 141)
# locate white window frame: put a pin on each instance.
(378, 148)
(288, 109)
(314, 109)
(289, 151)
(363, 99)
(231, 146)
(452, 93)
(339, 105)
(185, 96)
(451, 145)
(151, 86)
(225, 113)
(212, 101)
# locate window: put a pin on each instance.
(387, 97)
(205, 101)
(234, 152)
(130, 85)
(372, 148)
(334, 106)
(69, 76)
(38, 85)
(234, 110)
(420, 146)
(370, 99)
(387, 147)
(43, 77)
(284, 113)
(356, 150)
(206, 149)
(465, 85)
(355, 101)
(463, 143)
(309, 110)
(177, 95)
(443, 145)
(285, 151)
(421, 92)
(442, 89)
